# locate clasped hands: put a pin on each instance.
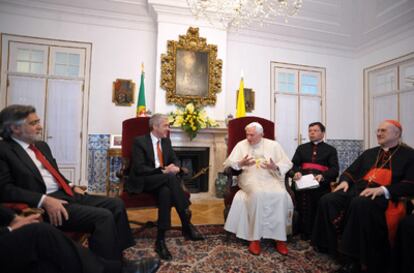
(368, 192)
(265, 164)
(171, 169)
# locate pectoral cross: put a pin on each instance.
(371, 178)
(257, 162)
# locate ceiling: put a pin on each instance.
(345, 24)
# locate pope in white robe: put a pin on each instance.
(262, 208)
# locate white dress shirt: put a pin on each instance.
(154, 140)
(50, 182)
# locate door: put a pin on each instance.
(297, 102)
(51, 77)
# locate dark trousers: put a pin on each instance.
(307, 204)
(403, 251)
(104, 218)
(360, 223)
(170, 193)
(41, 248)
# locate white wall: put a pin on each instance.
(343, 100)
(119, 47)
(117, 52)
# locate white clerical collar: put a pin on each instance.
(317, 142)
(23, 144)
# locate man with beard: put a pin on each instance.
(29, 174)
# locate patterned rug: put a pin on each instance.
(225, 253)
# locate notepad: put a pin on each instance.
(306, 182)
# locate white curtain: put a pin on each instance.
(28, 91)
(383, 107)
(64, 120)
(286, 122)
(310, 111)
(407, 116)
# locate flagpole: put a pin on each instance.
(141, 106)
(241, 106)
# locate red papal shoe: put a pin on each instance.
(254, 247)
(281, 247)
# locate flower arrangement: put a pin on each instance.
(191, 119)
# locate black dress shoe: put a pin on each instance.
(162, 250)
(350, 268)
(192, 233)
(145, 265)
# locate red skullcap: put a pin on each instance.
(395, 123)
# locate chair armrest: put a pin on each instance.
(230, 172)
(289, 188)
(23, 209)
(122, 174)
(333, 185)
(30, 211)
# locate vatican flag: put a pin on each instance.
(241, 106)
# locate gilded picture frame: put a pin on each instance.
(123, 92)
(190, 70)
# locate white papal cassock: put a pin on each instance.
(262, 208)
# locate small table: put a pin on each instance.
(112, 152)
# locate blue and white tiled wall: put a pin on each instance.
(348, 151)
(98, 145)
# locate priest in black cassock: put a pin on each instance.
(364, 208)
(320, 159)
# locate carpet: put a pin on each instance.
(222, 253)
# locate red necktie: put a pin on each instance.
(59, 179)
(159, 153)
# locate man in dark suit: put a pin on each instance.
(29, 174)
(154, 169)
(23, 239)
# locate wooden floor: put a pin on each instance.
(205, 211)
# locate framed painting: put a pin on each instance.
(190, 71)
(123, 92)
(115, 141)
(248, 99)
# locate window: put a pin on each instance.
(389, 94)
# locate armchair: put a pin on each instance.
(236, 133)
(132, 128)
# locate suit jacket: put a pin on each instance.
(143, 161)
(6, 216)
(20, 180)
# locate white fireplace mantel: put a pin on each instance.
(213, 138)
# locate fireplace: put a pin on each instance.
(195, 159)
